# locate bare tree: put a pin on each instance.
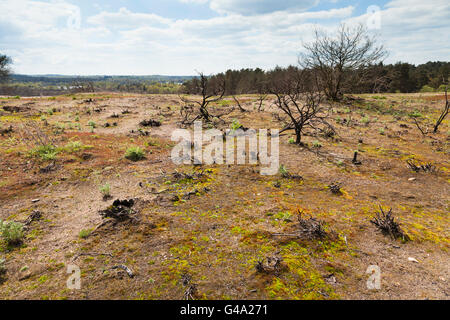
(332, 57)
(238, 103)
(261, 98)
(439, 121)
(301, 102)
(82, 86)
(210, 92)
(5, 61)
(443, 114)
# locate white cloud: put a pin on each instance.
(413, 30)
(127, 19)
(36, 35)
(194, 1)
(253, 7)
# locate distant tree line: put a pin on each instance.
(49, 85)
(391, 78)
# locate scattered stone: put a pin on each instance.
(331, 279)
(35, 200)
(411, 259)
(412, 179)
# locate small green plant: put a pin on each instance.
(381, 130)
(77, 118)
(235, 125)
(11, 232)
(152, 143)
(74, 146)
(134, 154)
(92, 124)
(105, 190)
(46, 152)
(365, 120)
(84, 233)
(51, 111)
(291, 140)
(415, 114)
(317, 144)
(283, 171)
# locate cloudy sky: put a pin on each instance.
(178, 37)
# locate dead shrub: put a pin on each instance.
(309, 228)
(386, 223)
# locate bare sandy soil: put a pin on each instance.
(205, 235)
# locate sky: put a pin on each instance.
(182, 37)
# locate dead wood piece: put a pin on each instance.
(7, 130)
(16, 108)
(34, 216)
(150, 123)
(51, 167)
(120, 210)
(125, 268)
(288, 175)
(426, 167)
(189, 176)
(272, 265)
(355, 159)
(191, 288)
(335, 188)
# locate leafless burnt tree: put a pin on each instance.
(238, 103)
(301, 103)
(334, 57)
(210, 92)
(443, 114)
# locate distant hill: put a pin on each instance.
(53, 79)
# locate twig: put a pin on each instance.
(91, 254)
